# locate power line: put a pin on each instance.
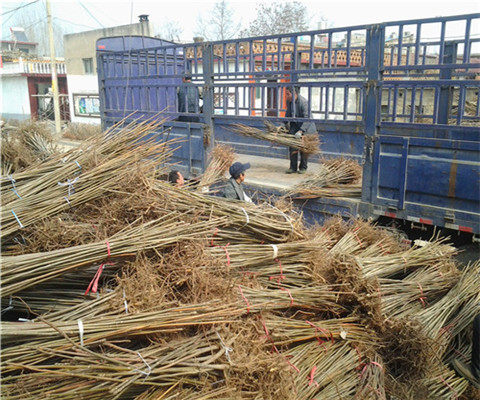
(89, 13)
(16, 9)
(19, 7)
(35, 23)
(73, 23)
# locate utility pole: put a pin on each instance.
(56, 102)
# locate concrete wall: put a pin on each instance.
(82, 45)
(15, 102)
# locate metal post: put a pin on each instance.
(446, 91)
(374, 65)
(56, 102)
(208, 100)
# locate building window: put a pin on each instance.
(88, 65)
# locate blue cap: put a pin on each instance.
(237, 168)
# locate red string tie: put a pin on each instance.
(451, 388)
(358, 239)
(214, 234)
(360, 363)
(367, 365)
(280, 277)
(422, 297)
(321, 330)
(290, 294)
(93, 286)
(244, 298)
(274, 348)
(94, 282)
(312, 381)
(226, 252)
(268, 337)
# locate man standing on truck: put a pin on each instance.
(297, 106)
(188, 96)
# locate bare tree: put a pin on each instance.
(171, 30)
(277, 18)
(221, 25)
(33, 19)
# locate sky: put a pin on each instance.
(88, 14)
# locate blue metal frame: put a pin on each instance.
(382, 96)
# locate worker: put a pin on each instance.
(176, 178)
(188, 97)
(234, 187)
(471, 372)
(297, 107)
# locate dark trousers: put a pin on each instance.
(294, 159)
(476, 347)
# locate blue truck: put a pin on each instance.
(401, 98)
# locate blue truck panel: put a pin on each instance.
(401, 98)
(432, 170)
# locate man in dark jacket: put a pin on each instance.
(188, 96)
(298, 108)
(234, 188)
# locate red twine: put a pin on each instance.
(324, 331)
(214, 234)
(244, 298)
(451, 388)
(250, 273)
(367, 365)
(290, 294)
(280, 277)
(93, 286)
(422, 297)
(226, 252)
(267, 335)
(94, 282)
(360, 363)
(358, 239)
(223, 247)
(312, 381)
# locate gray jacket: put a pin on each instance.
(234, 190)
(301, 111)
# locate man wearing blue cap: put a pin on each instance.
(234, 188)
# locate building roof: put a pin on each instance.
(18, 42)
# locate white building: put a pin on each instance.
(25, 88)
(26, 80)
